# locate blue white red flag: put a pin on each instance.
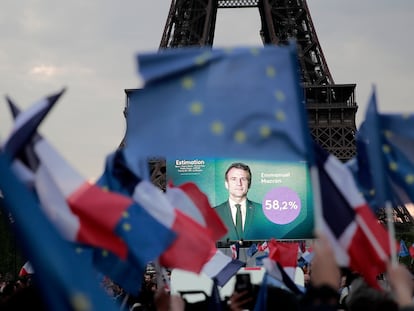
(283, 275)
(348, 222)
(65, 280)
(189, 199)
(25, 125)
(222, 267)
(193, 246)
(86, 214)
(26, 269)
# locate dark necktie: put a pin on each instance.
(239, 226)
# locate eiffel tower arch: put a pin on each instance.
(331, 107)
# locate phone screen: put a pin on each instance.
(244, 284)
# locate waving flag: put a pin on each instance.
(25, 125)
(27, 166)
(284, 253)
(403, 252)
(252, 250)
(86, 214)
(27, 269)
(66, 281)
(192, 201)
(375, 144)
(360, 167)
(372, 171)
(349, 223)
(284, 276)
(398, 149)
(222, 268)
(241, 102)
(193, 246)
(106, 219)
(189, 199)
(385, 156)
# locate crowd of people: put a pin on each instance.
(329, 287)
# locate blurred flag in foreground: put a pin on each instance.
(194, 244)
(193, 202)
(86, 214)
(385, 156)
(65, 281)
(359, 241)
(285, 253)
(25, 125)
(241, 102)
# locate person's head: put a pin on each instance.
(237, 180)
(363, 297)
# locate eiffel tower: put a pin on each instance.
(331, 107)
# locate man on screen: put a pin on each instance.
(239, 214)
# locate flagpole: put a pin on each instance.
(317, 205)
(391, 232)
(162, 276)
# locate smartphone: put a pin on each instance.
(244, 284)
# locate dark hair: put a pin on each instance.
(241, 166)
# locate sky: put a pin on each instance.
(89, 47)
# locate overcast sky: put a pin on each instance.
(89, 47)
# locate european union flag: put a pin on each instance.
(218, 103)
(374, 140)
(386, 141)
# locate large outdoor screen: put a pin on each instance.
(279, 194)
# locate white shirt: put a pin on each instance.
(233, 209)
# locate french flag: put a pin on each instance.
(26, 124)
(85, 213)
(194, 244)
(282, 262)
(222, 268)
(26, 269)
(359, 241)
(100, 218)
(283, 276)
(193, 202)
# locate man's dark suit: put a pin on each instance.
(254, 219)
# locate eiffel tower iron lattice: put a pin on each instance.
(331, 107)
